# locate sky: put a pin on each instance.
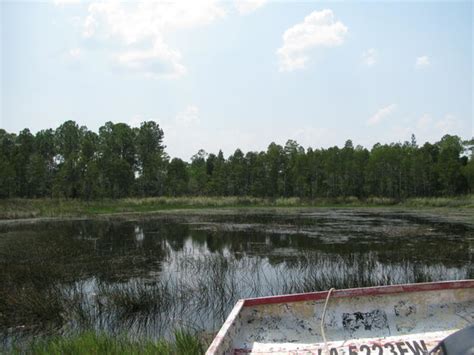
(241, 74)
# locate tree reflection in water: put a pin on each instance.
(148, 277)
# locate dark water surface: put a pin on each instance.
(148, 277)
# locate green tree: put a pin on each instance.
(117, 159)
(449, 165)
(151, 159)
(25, 146)
(218, 184)
(8, 186)
(68, 143)
(332, 172)
(74, 162)
(41, 166)
(90, 182)
(292, 153)
(177, 178)
(238, 182)
(274, 168)
(198, 177)
(468, 169)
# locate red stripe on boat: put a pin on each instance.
(363, 291)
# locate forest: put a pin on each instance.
(119, 161)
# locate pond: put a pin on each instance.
(147, 277)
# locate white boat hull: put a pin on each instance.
(402, 319)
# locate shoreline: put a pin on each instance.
(463, 215)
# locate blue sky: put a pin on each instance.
(241, 74)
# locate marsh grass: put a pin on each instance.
(50, 285)
(35, 208)
(91, 342)
(32, 308)
(449, 202)
(193, 293)
(135, 298)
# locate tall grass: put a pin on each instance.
(34, 208)
(452, 202)
(195, 293)
(49, 287)
(91, 342)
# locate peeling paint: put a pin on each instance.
(388, 320)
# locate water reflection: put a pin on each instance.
(148, 277)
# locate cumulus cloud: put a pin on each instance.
(142, 28)
(319, 29)
(369, 57)
(245, 7)
(381, 114)
(158, 61)
(422, 62)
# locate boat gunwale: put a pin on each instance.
(321, 295)
(229, 322)
(360, 291)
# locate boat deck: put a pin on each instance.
(407, 319)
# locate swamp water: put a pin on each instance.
(148, 277)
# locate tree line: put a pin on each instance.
(121, 161)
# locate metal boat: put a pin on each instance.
(397, 319)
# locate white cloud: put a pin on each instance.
(433, 129)
(424, 122)
(184, 143)
(66, 2)
(159, 61)
(188, 117)
(381, 114)
(245, 7)
(369, 57)
(422, 62)
(75, 53)
(319, 29)
(142, 28)
(427, 128)
(448, 124)
(186, 133)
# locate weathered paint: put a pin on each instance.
(401, 319)
(228, 331)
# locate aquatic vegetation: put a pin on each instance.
(36, 208)
(150, 277)
(91, 342)
(460, 201)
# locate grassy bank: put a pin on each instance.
(35, 208)
(100, 343)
